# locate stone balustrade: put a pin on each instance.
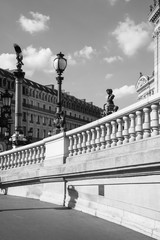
(134, 123)
(23, 156)
(139, 121)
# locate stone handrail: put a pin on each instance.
(30, 154)
(136, 122)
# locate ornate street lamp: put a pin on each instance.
(60, 64)
(6, 99)
(6, 104)
(5, 118)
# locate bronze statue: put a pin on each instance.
(19, 56)
(109, 106)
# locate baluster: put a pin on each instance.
(11, 164)
(15, 159)
(102, 138)
(23, 157)
(88, 143)
(146, 124)
(70, 146)
(1, 162)
(38, 154)
(29, 160)
(93, 145)
(34, 155)
(75, 145)
(97, 140)
(42, 155)
(108, 135)
(19, 158)
(119, 132)
(159, 118)
(154, 120)
(139, 130)
(132, 127)
(6, 161)
(26, 160)
(125, 131)
(79, 144)
(113, 134)
(83, 142)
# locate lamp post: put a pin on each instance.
(18, 138)
(5, 118)
(6, 104)
(60, 64)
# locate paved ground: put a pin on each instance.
(28, 219)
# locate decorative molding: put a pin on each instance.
(141, 82)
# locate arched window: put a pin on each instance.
(4, 82)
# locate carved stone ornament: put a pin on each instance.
(141, 82)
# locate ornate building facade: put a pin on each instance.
(39, 107)
(149, 85)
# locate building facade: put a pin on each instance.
(149, 85)
(39, 107)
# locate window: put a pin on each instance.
(24, 92)
(44, 133)
(38, 120)
(24, 130)
(44, 120)
(37, 133)
(24, 116)
(9, 85)
(4, 82)
(24, 101)
(50, 122)
(31, 120)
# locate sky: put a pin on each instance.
(107, 43)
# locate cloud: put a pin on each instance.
(81, 56)
(38, 60)
(151, 46)
(87, 52)
(113, 59)
(113, 2)
(7, 61)
(34, 60)
(70, 60)
(124, 91)
(36, 24)
(132, 37)
(108, 76)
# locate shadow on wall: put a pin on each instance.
(73, 196)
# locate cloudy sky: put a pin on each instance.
(107, 44)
